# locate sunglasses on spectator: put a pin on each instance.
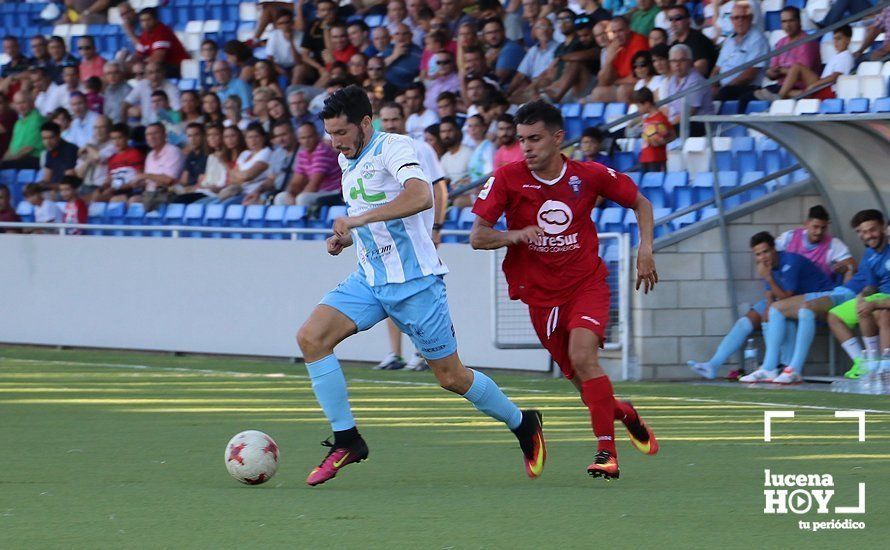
(678, 18)
(640, 65)
(443, 62)
(82, 48)
(739, 17)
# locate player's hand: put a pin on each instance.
(336, 244)
(344, 224)
(863, 308)
(764, 269)
(437, 237)
(526, 235)
(646, 274)
(840, 267)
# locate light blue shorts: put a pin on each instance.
(419, 308)
(760, 307)
(838, 295)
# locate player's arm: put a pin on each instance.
(415, 197)
(484, 236)
(440, 206)
(646, 274)
(765, 270)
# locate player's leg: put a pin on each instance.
(883, 319)
(393, 359)
(841, 320)
(774, 338)
(806, 309)
(731, 343)
(422, 313)
(343, 311)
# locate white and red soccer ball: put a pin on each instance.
(252, 457)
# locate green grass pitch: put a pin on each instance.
(125, 450)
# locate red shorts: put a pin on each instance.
(824, 93)
(588, 308)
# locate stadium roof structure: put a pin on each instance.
(847, 156)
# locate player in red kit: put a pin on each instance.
(553, 263)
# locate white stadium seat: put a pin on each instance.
(847, 87)
(872, 86)
(191, 69)
(782, 107)
(807, 106)
(247, 11)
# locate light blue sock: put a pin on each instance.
(732, 342)
(329, 386)
(487, 397)
(806, 331)
(788, 344)
(775, 335)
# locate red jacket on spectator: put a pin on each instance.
(624, 60)
(161, 37)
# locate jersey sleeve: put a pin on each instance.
(838, 251)
(401, 160)
(492, 200)
(782, 241)
(615, 186)
(792, 280)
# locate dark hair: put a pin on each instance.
(256, 127)
(417, 86)
(94, 84)
(663, 32)
(763, 237)
(446, 95)
(360, 24)
(540, 111)
(450, 120)
(73, 181)
(793, 10)
(60, 40)
(622, 19)
(211, 42)
(863, 216)
(568, 11)
(845, 30)
(351, 101)
(32, 189)
(160, 93)
(660, 50)
(508, 118)
(60, 111)
(474, 49)
(493, 21)
(51, 127)
(643, 95)
(157, 125)
(196, 125)
(240, 50)
(393, 105)
(281, 123)
(681, 7)
(90, 38)
(494, 98)
(818, 212)
(149, 11)
(647, 59)
(121, 128)
(593, 133)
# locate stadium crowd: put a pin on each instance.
(122, 129)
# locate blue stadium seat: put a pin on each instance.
(615, 110)
(254, 215)
(833, 106)
(592, 114)
(295, 216)
(881, 105)
(466, 219)
(25, 177)
(725, 160)
(856, 105)
(571, 113)
(772, 20)
(134, 216)
(173, 214)
(8, 177)
(684, 220)
(214, 215)
(25, 210)
(657, 196)
(635, 176)
(95, 213)
(611, 220)
(194, 216)
(114, 215)
(274, 218)
(374, 20)
(742, 144)
(729, 107)
(624, 160)
(652, 179)
(799, 4)
(757, 106)
(708, 212)
(682, 196)
(675, 179)
(757, 192)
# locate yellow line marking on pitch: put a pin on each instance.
(832, 457)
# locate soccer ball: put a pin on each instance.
(252, 457)
(650, 131)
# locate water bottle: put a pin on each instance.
(751, 363)
(884, 374)
(870, 364)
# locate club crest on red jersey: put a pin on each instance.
(575, 184)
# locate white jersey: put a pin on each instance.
(397, 250)
(837, 250)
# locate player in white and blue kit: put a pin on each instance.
(399, 275)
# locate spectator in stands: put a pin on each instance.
(446, 105)
(211, 108)
(59, 58)
(615, 81)
(590, 148)
(880, 25)
(172, 120)
(453, 13)
(213, 180)
(503, 55)
(163, 168)
(419, 116)
(434, 42)
(123, 167)
(266, 76)
(658, 36)
(402, 58)
(251, 167)
(25, 146)
(278, 111)
(467, 39)
(359, 35)
(456, 159)
(531, 13)
(508, 146)
(482, 160)
(58, 157)
(8, 118)
(194, 166)
(71, 84)
(281, 163)
(80, 132)
(190, 108)
(157, 42)
(7, 211)
(45, 211)
(91, 63)
(299, 110)
(642, 17)
(745, 45)
(843, 8)
(39, 53)
(209, 54)
(397, 14)
(704, 52)
(647, 77)
(283, 43)
(228, 86)
(619, 7)
(317, 171)
(314, 34)
(92, 160)
(261, 97)
(16, 64)
(272, 11)
(75, 207)
(684, 77)
(806, 54)
(842, 63)
(657, 132)
(433, 139)
(722, 22)
(532, 72)
(445, 80)
(94, 98)
(87, 12)
(47, 95)
(234, 113)
(358, 68)
(475, 66)
(138, 105)
(62, 117)
(337, 46)
(380, 38)
(137, 69)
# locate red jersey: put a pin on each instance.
(162, 37)
(75, 212)
(123, 166)
(548, 272)
(655, 124)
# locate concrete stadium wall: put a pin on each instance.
(211, 296)
(690, 311)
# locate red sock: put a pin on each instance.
(624, 412)
(597, 395)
